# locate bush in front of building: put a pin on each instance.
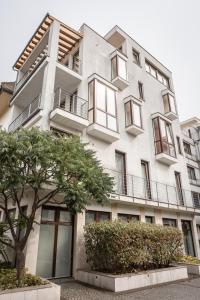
(119, 247)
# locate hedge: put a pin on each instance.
(119, 247)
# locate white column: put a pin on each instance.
(195, 237)
(49, 74)
(142, 215)
(79, 257)
(158, 217)
(114, 211)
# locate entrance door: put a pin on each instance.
(55, 243)
(121, 173)
(187, 237)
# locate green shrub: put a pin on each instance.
(8, 279)
(119, 247)
(190, 260)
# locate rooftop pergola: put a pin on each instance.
(68, 38)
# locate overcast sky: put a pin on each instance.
(169, 30)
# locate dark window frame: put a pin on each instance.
(130, 217)
(178, 141)
(171, 220)
(97, 214)
(136, 54)
(157, 71)
(141, 90)
(131, 102)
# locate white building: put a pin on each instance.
(115, 95)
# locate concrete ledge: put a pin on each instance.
(192, 268)
(131, 281)
(49, 291)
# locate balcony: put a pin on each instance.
(28, 113)
(70, 110)
(170, 109)
(119, 70)
(133, 116)
(144, 192)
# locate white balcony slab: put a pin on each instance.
(67, 119)
(134, 130)
(120, 83)
(166, 159)
(66, 78)
(172, 116)
(103, 133)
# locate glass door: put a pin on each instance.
(55, 243)
(179, 188)
(188, 238)
(121, 173)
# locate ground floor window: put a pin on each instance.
(149, 219)
(170, 222)
(128, 217)
(96, 216)
(55, 243)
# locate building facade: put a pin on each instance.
(120, 99)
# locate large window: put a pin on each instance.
(133, 114)
(96, 216)
(169, 103)
(102, 105)
(169, 222)
(118, 67)
(179, 145)
(157, 74)
(136, 56)
(140, 90)
(128, 217)
(187, 148)
(191, 173)
(163, 137)
(196, 199)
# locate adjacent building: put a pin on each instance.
(120, 99)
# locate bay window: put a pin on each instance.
(163, 137)
(169, 103)
(118, 67)
(102, 105)
(133, 114)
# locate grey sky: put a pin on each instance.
(168, 29)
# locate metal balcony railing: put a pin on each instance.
(26, 114)
(71, 103)
(137, 187)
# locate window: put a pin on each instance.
(189, 133)
(133, 114)
(146, 177)
(170, 222)
(196, 199)
(102, 105)
(149, 219)
(179, 188)
(96, 216)
(169, 104)
(191, 173)
(187, 148)
(140, 90)
(128, 218)
(59, 133)
(136, 56)
(179, 145)
(118, 66)
(163, 137)
(120, 161)
(157, 74)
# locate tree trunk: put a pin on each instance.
(20, 265)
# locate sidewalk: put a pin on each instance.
(184, 290)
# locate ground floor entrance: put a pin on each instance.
(55, 243)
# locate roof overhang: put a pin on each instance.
(68, 38)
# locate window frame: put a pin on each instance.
(178, 141)
(167, 95)
(130, 217)
(97, 214)
(94, 107)
(117, 57)
(191, 171)
(160, 140)
(186, 147)
(141, 90)
(157, 71)
(131, 102)
(171, 220)
(136, 53)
